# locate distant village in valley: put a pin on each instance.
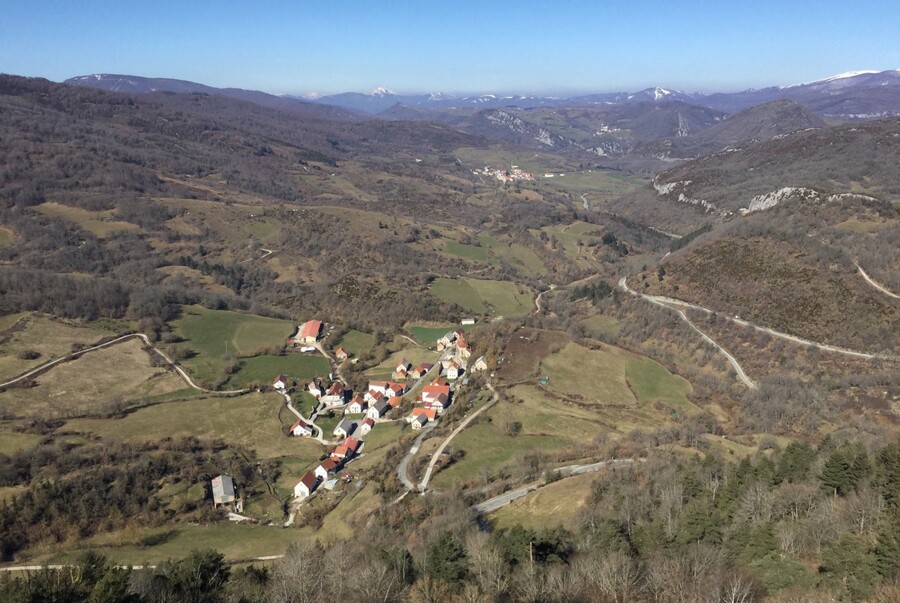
(417, 395)
(512, 174)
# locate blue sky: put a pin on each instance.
(502, 47)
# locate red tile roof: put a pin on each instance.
(431, 413)
(329, 464)
(432, 391)
(395, 401)
(310, 328)
(309, 479)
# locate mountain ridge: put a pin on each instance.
(854, 95)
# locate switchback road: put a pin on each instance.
(423, 485)
(731, 359)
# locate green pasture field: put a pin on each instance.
(428, 336)
(356, 342)
(613, 376)
(263, 369)
(213, 334)
(466, 251)
(500, 298)
(253, 421)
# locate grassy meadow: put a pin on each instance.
(413, 354)
(558, 504)
(100, 223)
(356, 342)
(613, 376)
(499, 298)
(49, 337)
(253, 421)
(263, 369)
(90, 382)
(214, 334)
(428, 336)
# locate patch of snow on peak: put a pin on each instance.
(659, 93)
(833, 78)
(380, 91)
(847, 74)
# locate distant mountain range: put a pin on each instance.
(852, 95)
(133, 84)
(855, 95)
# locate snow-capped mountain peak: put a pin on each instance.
(380, 91)
(847, 74)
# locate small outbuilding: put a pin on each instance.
(223, 490)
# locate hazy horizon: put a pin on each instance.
(566, 49)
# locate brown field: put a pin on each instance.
(6, 236)
(88, 383)
(100, 223)
(558, 504)
(525, 350)
(50, 337)
(12, 441)
(192, 277)
(253, 421)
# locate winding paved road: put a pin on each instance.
(187, 378)
(658, 301)
(492, 504)
(403, 467)
(423, 485)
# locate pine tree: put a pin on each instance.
(836, 474)
(795, 462)
(447, 559)
(888, 475)
(887, 549)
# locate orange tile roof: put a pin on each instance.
(436, 390)
(431, 413)
(310, 328)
